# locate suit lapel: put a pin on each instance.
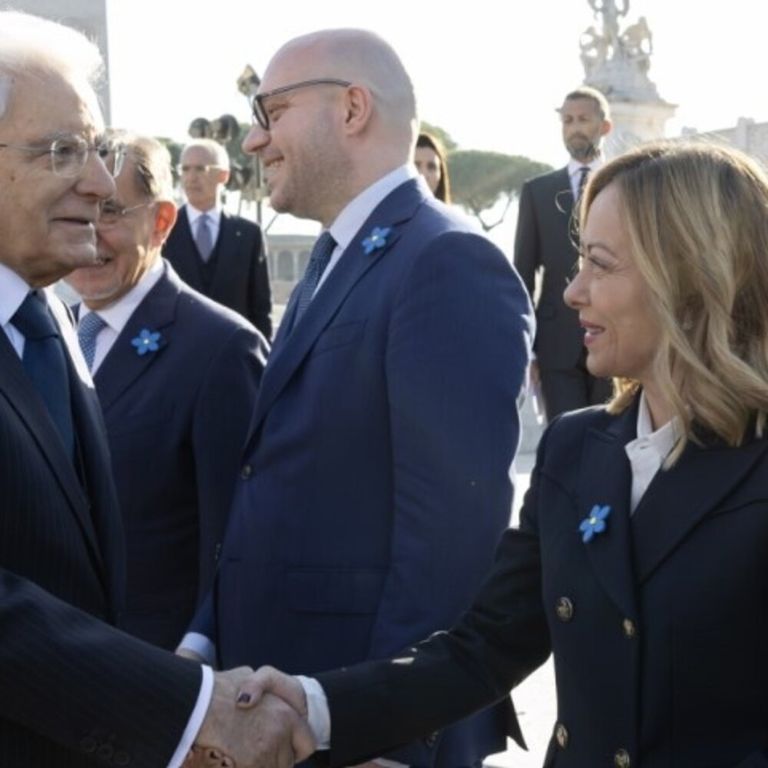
(123, 366)
(185, 253)
(227, 248)
(678, 499)
(562, 193)
(291, 348)
(32, 411)
(606, 480)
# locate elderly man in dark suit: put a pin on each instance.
(76, 692)
(220, 255)
(546, 253)
(177, 377)
(376, 479)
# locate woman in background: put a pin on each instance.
(430, 163)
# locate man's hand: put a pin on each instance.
(267, 734)
(268, 680)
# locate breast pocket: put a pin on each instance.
(340, 335)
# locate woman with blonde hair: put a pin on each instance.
(641, 559)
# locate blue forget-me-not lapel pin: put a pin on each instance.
(595, 523)
(146, 341)
(377, 239)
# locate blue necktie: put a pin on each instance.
(203, 240)
(45, 362)
(318, 261)
(87, 330)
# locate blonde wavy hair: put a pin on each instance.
(697, 217)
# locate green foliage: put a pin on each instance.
(479, 180)
(439, 133)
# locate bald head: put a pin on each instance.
(360, 57)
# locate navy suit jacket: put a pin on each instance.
(241, 279)
(657, 625)
(177, 420)
(545, 241)
(376, 480)
(75, 691)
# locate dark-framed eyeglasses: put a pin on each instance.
(111, 213)
(69, 154)
(257, 104)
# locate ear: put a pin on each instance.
(606, 127)
(358, 109)
(165, 218)
(222, 177)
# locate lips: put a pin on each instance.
(591, 331)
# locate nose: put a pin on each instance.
(575, 294)
(95, 180)
(257, 138)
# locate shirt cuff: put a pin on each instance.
(195, 721)
(201, 645)
(318, 714)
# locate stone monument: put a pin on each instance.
(616, 58)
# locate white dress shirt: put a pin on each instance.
(117, 315)
(574, 172)
(13, 291)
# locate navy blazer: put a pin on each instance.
(241, 279)
(376, 479)
(658, 624)
(177, 420)
(545, 241)
(61, 570)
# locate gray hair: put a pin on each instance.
(213, 148)
(153, 174)
(31, 44)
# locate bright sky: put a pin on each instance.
(490, 73)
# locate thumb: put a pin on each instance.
(271, 680)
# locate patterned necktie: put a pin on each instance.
(203, 238)
(87, 330)
(318, 261)
(584, 171)
(45, 362)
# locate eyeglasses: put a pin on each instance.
(257, 104)
(182, 169)
(69, 154)
(112, 213)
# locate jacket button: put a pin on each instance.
(431, 740)
(564, 609)
(561, 735)
(122, 758)
(105, 752)
(246, 471)
(89, 744)
(629, 628)
(621, 759)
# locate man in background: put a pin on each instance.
(177, 377)
(546, 247)
(220, 255)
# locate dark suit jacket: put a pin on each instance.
(240, 281)
(377, 481)
(177, 419)
(75, 692)
(660, 649)
(544, 242)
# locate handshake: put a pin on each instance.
(255, 720)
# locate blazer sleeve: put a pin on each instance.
(222, 418)
(259, 291)
(527, 244)
(378, 705)
(80, 683)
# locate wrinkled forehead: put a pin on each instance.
(46, 104)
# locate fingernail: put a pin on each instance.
(244, 698)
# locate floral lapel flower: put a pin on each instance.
(146, 341)
(595, 523)
(377, 239)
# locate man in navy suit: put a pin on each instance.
(546, 245)
(375, 482)
(76, 692)
(220, 255)
(177, 377)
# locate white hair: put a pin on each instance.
(213, 148)
(29, 44)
